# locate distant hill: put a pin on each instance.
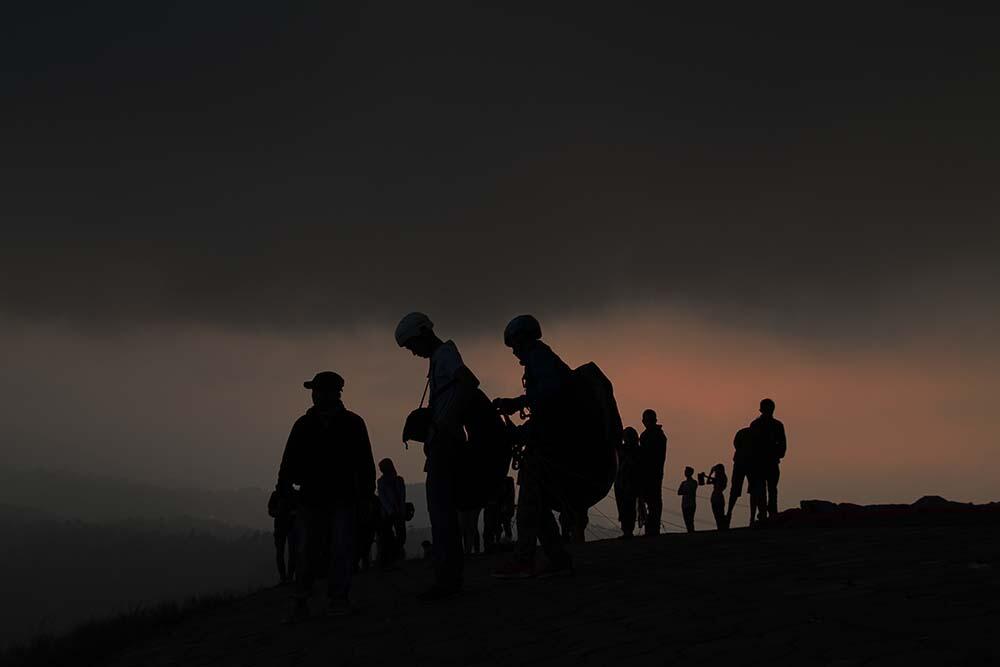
(103, 499)
(56, 573)
(100, 499)
(77, 547)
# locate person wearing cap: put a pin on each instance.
(769, 446)
(542, 485)
(652, 457)
(450, 383)
(328, 456)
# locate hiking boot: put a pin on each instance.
(558, 568)
(515, 569)
(299, 613)
(440, 592)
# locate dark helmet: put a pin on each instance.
(522, 327)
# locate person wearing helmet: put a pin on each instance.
(449, 382)
(546, 393)
(329, 457)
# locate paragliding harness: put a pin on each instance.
(591, 433)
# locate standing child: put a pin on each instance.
(688, 491)
(717, 478)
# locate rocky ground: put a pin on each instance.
(916, 593)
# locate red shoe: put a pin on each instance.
(515, 569)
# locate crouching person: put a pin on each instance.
(329, 457)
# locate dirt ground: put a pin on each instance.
(914, 594)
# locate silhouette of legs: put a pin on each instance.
(283, 535)
(736, 490)
(535, 521)
(469, 520)
(626, 513)
(654, 510)
(719, 511)
(688, 513)
(772, 474)
(328, 535)
(446, 536)
(491, 527)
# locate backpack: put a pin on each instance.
(596, 433)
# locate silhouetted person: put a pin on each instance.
(688, 491)
(742, 462)
(626, 482)
(543, 486)
(427, 549)
(491, 520)
(469, 521)
(508, 507)
(652, 457)
(329, 456)
(392, 504)
(769, 448)
(367, 527)
(285, 535)
(717, 478)
(450, 385)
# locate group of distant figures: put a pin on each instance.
(758, 450)
(568, 452)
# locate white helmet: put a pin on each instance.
(412, 326)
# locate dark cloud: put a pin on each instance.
(294, 166)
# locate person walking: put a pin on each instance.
(329, 457)
(392, 500)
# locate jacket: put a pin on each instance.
(329, 455)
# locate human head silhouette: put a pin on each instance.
(630, 436)
(688, 471)
(649, 418)
(415, 332)
(326, 388)
(767, 407)
(386, 467)
(520, 333)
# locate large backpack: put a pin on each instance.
(596, 432)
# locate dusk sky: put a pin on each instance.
(205, 203)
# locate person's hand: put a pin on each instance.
(506, 406)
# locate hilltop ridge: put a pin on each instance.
(905, 593)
